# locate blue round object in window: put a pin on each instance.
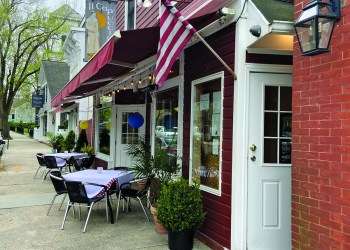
(135, 120)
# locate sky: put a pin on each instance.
(77, 5)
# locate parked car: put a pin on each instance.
(161, 131)
(167, 144)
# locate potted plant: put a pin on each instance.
(165, 166)
(142, 161)
(53, 141)
(69, 141)
(180, 210)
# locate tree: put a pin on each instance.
(26, 37)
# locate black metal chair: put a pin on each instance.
(60, 187)
(126, 192)
(84, 163)
(42, 164)
(78, 196)
(51, 163)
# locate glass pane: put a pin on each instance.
(286, 99)
(206, 139)
(270, 150)
(104, 127)
(285, 151)
(307, 36)
(271, 98)
(286, 125)
(270, 124)
(166, 122)
(325, 28)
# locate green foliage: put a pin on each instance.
(28, 35)
(56, 141)
(69, 141)
(82, 141)
(161, 164)
(87, 149)
(140, 152)
(60, 143)
(180, 206)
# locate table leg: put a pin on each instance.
(110, 209)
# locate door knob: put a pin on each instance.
(252, 147)
(253, 158)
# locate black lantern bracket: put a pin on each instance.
(315, 25)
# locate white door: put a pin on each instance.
(269, 162)
(125, 133)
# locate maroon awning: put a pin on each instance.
(112, 60)
(116, 58)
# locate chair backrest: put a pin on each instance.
(50, 161)
(146, 188)
(121, 168)
(58, 182)
(41, 159)
(77, 192)
(88, 161)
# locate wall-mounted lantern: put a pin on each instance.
(315, 25)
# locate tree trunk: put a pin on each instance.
(4, 125)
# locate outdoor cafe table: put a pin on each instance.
(107, 178)
(63, 158)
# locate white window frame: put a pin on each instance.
(100, 155)
(126, 15)
(219, 75)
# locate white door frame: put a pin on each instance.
(240, 151)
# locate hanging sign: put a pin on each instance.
(100, 24)
(37, 101)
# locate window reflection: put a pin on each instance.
(166, 122)
(104, 128)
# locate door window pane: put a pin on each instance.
(104, 128)
(129, 134)
(271, 123)
(286, 99)
(271, 98)
(278, 124)
(270, 150)
(206, 135)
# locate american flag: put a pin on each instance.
(175, 32)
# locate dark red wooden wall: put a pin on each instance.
(200, 62)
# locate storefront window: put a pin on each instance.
(206, 132)
(104, 129)
(166, 122)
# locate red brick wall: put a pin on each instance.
(321, 142)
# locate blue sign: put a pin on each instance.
(37, 101)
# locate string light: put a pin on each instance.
(132, 81)
(118, 89)
(140, 81)
(150, 75)
(124, 87)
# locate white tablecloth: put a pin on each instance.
(107, 178)
(61, 158)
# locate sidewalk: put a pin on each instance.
(24, 202)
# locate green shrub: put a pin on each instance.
(180, 207)
(82, 141)
(69, 141)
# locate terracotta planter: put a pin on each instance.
(159, 228)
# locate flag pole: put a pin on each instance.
(216, 55)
